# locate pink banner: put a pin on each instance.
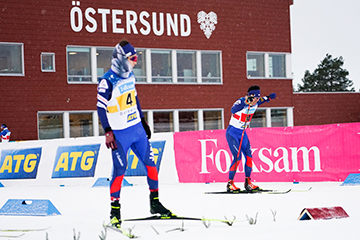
(286, 154)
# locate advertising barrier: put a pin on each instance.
(282, 154)
(77, 161)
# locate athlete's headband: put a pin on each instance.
(255, 93)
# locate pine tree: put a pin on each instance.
(328, 77)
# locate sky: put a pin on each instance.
(319, 27)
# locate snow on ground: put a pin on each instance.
(84, 209)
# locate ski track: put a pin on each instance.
(85, 209)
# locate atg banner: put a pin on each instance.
(309, 153)
(19, 163)
(75, 161)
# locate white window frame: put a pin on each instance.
(148, 64)
(22, 60)
(53, 61)
(288, 74)
(289, 115)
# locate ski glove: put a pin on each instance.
(110, 140)
(146, 127)
(272, 95)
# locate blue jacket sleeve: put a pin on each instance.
(103, 96)
(238, 105)
(263, 100)
(139, 107)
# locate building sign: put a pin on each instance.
(132, 22)
(19, 164)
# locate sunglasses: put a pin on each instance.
(133, 58)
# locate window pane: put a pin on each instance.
(278, 118)
(50, 126)
(81, 125)
(140, 67)
(11, 58)
(101, 129)
(212, 120)
(255, 65)
(161, 66)
(103, 61)
(188, 121)
(277, 65)
(47, 62)
(79, 64)
(258, 119)
(186, 66)
(163, 122)
(210, 65)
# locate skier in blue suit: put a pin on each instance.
(242, 112)
(121, 117)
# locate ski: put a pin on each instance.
(175, 217)
(301, 190)
(261, 191)
(24, 230)
(12, 236)
(120, 230)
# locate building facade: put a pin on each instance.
(196, 58)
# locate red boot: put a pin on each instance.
(230, 187)
(249, 186)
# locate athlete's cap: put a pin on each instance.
(3, 125)
(126, 50)
(254, 91)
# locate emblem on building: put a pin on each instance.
(207, 22)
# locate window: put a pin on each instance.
(11, 59)
(268, 65)
(278, 118)
(103, 61)
(210, 66)
(79, 64)
(81, 125)
(188, 121)
(212, 120)
(255, 65)
(48, 62)
(277, 66)
(161, 66)
(258, 119)
(140, 67)
(163, 122)
(272, 117)
(186, 66)
(50, 125)
(180, 120)
(89, 64)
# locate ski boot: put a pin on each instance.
(230, 187)
(115, 216)
(249, 186)
(157, 207)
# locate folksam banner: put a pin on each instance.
(285, 154)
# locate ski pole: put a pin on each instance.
(242, 136)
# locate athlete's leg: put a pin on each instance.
(233, 143)
(246, 150)
(142, 149)
(119, 168)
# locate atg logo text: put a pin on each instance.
(19, 164)
(76, 161)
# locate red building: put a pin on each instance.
(195, 59)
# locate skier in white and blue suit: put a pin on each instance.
(121, 116)
(242, 111)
